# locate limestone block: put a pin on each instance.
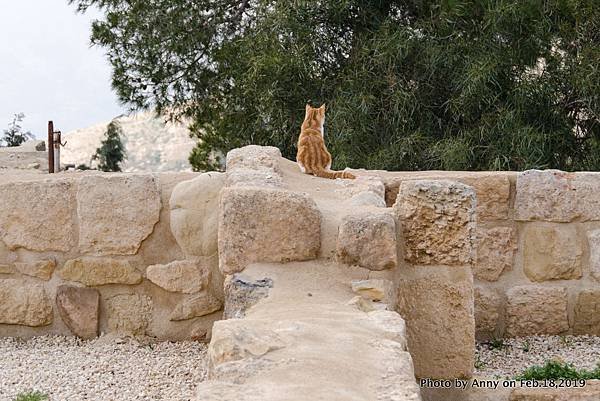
(533, 309)
(99, 271)
(254, 157)
(79, 307)
(266, 225)
(362, 183)
(593, 238)
(368, 240)
(25, 218)
(554, 195)
(488, 307)
(253, 178)
(42, 269)
(116, 212)
(437, 305)
(378, 290)
(390, 324)
(367, 198)
(6, 269)
(496, 249)
(242, 292)
(129, 314)
(24, 303)
(194, 216)
(551, 252)
(197, 305)
(185, 276)
(587, 318)
(438, 221)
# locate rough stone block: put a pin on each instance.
(242, 292)
(196, 306)
(438, 222)
(496, 249)
(25, 221)
(533, 309)
(79, 307)
(488, 308)
(116, 212)
(437, 305)
(266, 225)
(42, 269)
(551, 252)
(185, 276)
(24, 303)
(6, 269)
(368, 240)
(593, 238)
(194, 218)
(254, 157)
(378, 290)
(553, 195)
(129, 314)
(587, 313)
(253, 178)
(99, 271)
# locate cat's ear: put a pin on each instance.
(322, 108)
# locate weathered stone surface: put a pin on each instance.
(368, 240)
(254, 157)
(367, 198)
(41, 269)
(99, 271)
(551, 252)
(488, 306)
(554, 195)
(391, 324)
(196, 306)
(266, 225)
(78, 308)
(129, 314)
(362, 183)
(437, 305)
(587, 316)
(185, 276)
(593, 238)
(242, 292)
(496, 249)
(253, 178)
(378, 290)
(438, 222)
(116, 212)
(24, 218)
(6, 269)
(23, 303)
(194, 217)
(533, 309)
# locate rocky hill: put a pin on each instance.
(151, 144)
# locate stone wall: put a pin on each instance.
(90, 253)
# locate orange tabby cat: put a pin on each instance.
(313, 157)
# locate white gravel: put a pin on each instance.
(517, 354)
(107, 369)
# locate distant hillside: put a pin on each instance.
(151, 144)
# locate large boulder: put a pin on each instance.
(24, 303)
(185, 276)
(266, 225)
(79, 308)
(254, 157)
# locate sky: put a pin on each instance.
(48, 69)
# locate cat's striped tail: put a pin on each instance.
(333, 174)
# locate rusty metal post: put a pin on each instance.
(57, 144)
(50, 147)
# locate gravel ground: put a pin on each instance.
(107, 369)
(517, 354)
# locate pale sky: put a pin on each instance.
(48, 69)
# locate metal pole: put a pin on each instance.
(50, 147)
(57, 151)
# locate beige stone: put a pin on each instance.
(194, 216)
(99, 271)
(367, 198)
(587, 316)
(488, 306)
(24, 303)
(368, 240)
(593, 238)
(25, 218)
(254, 157)
(362, 183)
(116, 212)
(197, 305)
(438, 222)
(551, 252)
(437, 305)
(185, 276)
(6, 269)
(557, 196)
(79, 308)
(496, 249)
(269, 225)
(378, 290)
(129, 314)
(533, 309)
(253, 178)
(42, 269)
(242, 292)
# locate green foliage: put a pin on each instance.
(14, 135)
(496, 343)
(558, 370)
(409, 84)
(31, 396)
(111, 151)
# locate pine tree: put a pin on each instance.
(111, 151)
(14, 135)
